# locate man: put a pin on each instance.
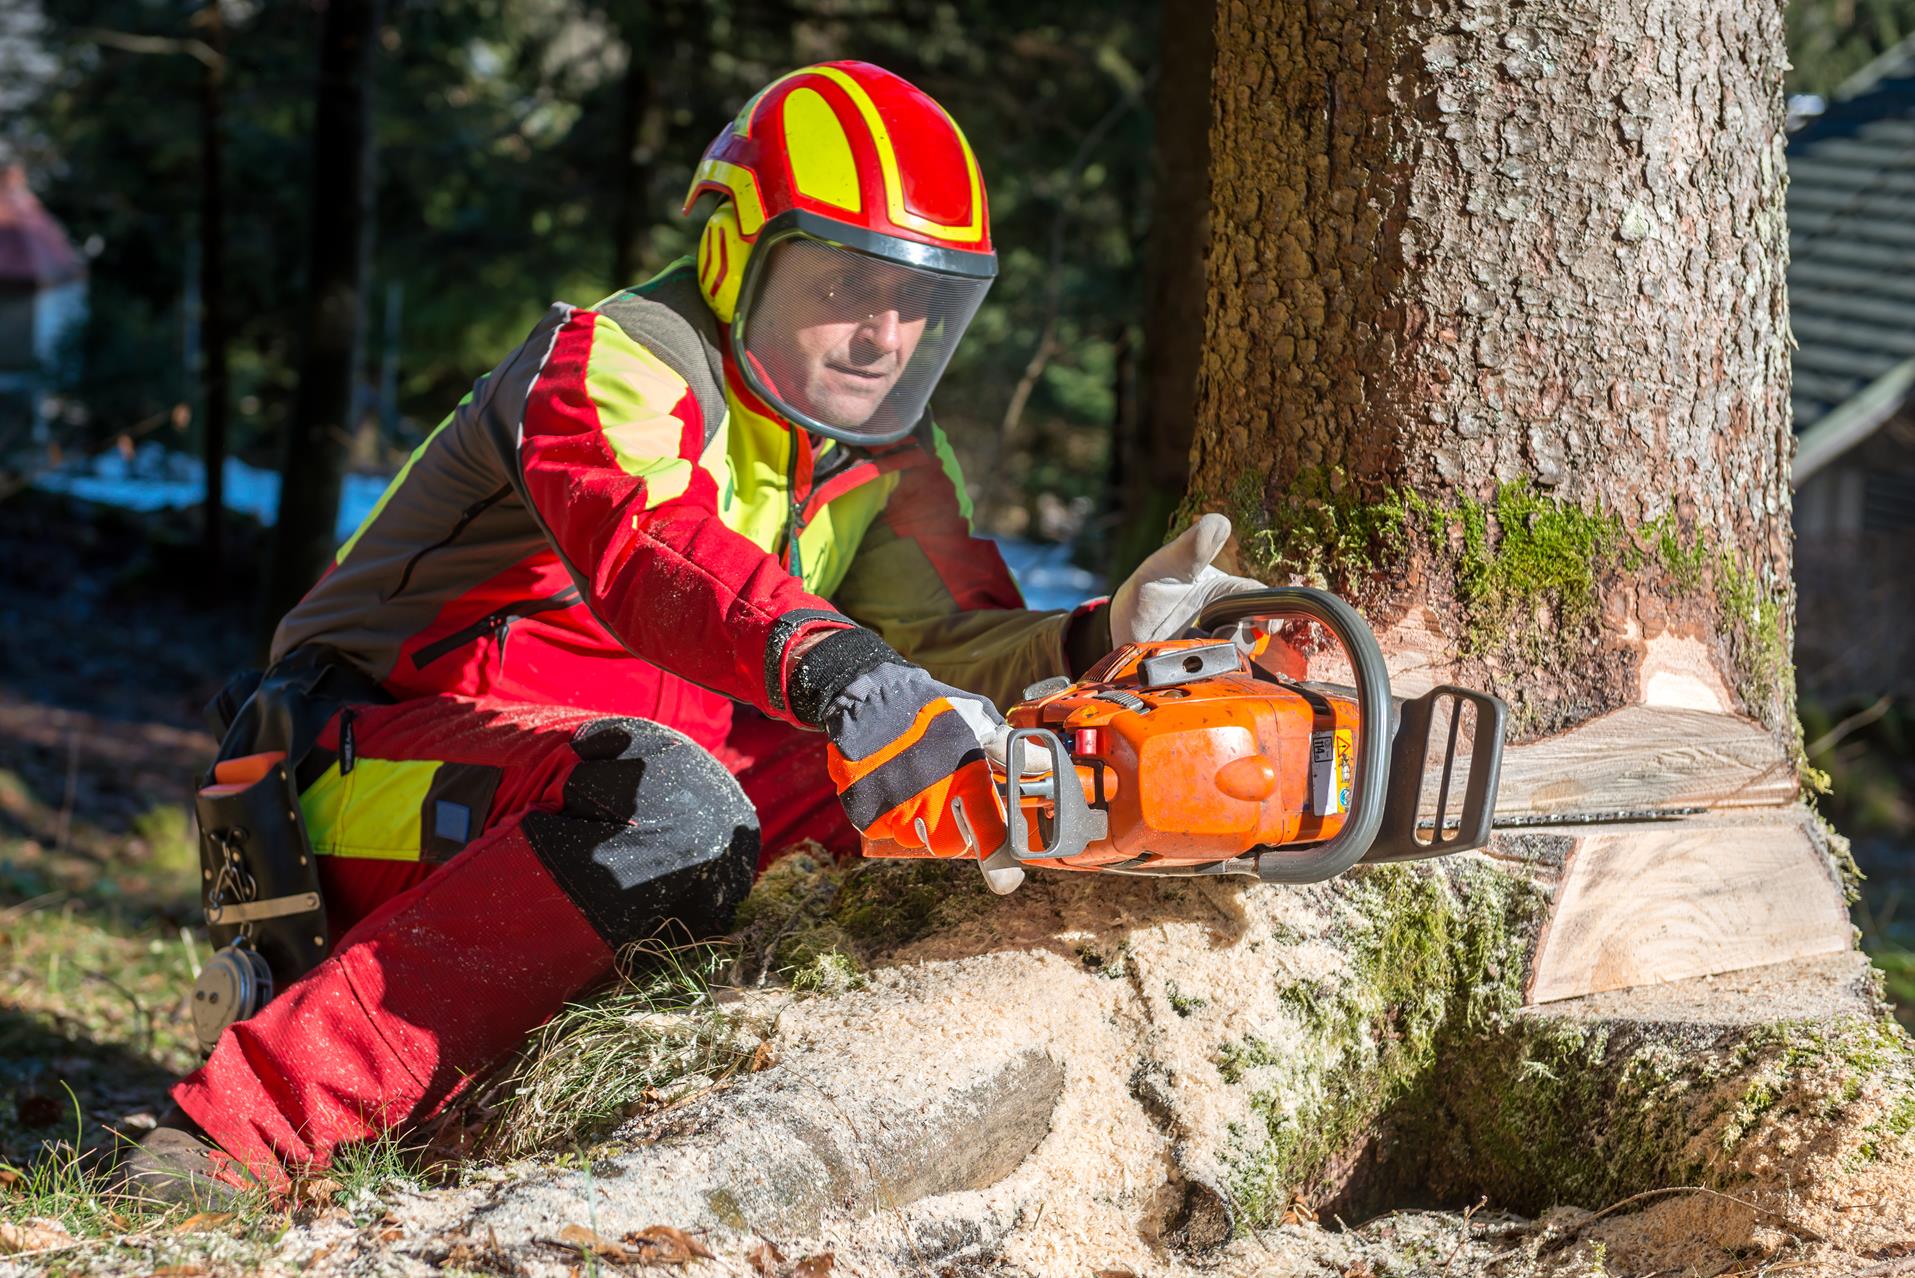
(567, 680)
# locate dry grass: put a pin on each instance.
(658, 1036)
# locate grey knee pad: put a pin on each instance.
(652, 828)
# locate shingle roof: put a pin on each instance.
(1852, 243)
(33, 249)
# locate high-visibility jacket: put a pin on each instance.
(612, 520)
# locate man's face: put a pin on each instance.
(834, 330)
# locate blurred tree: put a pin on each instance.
(1151, 462)
(1830, 40)
(214, 331)
(316, 443)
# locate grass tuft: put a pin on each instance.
(656, 1038)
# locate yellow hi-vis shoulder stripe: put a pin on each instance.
(397, 480)
(635, 392)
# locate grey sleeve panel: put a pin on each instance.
(668, 316)
(455, 517)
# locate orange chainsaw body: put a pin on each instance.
(1199, 771)
(1217, 754)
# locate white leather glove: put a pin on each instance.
(1169, 589)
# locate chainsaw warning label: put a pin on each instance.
(1331, 765)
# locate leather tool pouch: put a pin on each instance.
(259, 881)
(260, 887)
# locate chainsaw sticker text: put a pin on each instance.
(1331, 765)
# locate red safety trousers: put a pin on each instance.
(587, 832)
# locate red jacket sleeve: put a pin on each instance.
(609, 459)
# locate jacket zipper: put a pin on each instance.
(495, 623)
(795, 512)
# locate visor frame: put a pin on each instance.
(802, 224)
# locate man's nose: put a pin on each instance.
(881, 329)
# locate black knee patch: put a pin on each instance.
(652, 829)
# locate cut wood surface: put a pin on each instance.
(1648, 757)
(1651, 903)
(1641, 758)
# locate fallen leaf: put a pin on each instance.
(36, 1234)
(10, 1179)
(119, 1222)
(762, 1058)
(1114, 1273)
(182, 1271)
(587, 1241)
(391, 1235)
(663, 1245)
(765, 1258)
(319, 1192)
(202, 1220)
(321, 1254)
(814, 1266)
(1359, 1268)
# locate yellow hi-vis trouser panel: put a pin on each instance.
(373, 811)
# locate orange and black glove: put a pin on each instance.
(907, 753)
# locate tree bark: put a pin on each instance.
(1497, 339)
(312, 471)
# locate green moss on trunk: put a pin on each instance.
(1430, 947)
(1528, 572)
(1417, 1076)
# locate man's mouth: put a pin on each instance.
(861, 374)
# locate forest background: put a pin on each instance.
(521, 151)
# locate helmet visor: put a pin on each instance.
(848, 344)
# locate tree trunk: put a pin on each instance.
(1498, 339)
(317, 441)
(212, 263)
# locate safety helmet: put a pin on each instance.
(851, 249)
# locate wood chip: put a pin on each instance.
(762, 1058)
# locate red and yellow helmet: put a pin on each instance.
(851, 249)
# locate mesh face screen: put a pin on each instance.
(849, 344)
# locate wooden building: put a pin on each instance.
(1851, 208)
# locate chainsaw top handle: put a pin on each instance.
(1369, 789)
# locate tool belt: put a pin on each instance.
(259, 882)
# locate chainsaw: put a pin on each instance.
(1216, 754)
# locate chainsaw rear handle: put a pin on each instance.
(1369, 789)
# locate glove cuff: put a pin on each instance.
(829, 666)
